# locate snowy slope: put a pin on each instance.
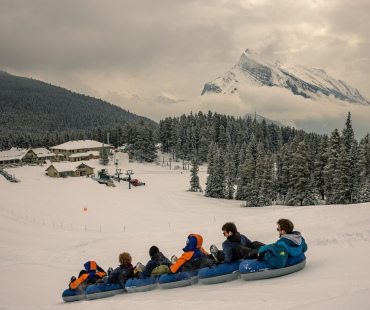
(254, 70)
(46, 237)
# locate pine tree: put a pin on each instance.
(300, 173)
(331, 168)
(104, 160)
(215, 185)
(229, 173)
(194, 181)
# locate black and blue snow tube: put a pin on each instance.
(104, 290)
(219, 273)
(141, 285)
(73, 295)
(179, 279)
(251, 269)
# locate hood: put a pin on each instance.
(295, 237)
(193, 242)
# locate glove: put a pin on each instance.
(110, 269)
(260, 256)
(173, 259)
(72, 279)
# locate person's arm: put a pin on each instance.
(180, 261)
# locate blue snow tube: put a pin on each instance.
(73, 295)
(179, 279)
(219, 273)
(141, 285)
(104, 290)
(251, 269)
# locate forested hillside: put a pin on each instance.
(262, 164)
(31, 112)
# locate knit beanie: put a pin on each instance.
(153, 250)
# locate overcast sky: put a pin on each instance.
(146, 47)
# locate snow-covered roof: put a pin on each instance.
(13, 153)
(79, 144)
(42, 152)
(94, 153)
(65, 166)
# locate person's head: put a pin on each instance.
(153, 250)
(284, 226)
(194, 241)
(124, 258)
(229, 229)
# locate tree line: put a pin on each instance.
(261, 164)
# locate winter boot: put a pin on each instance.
(213, 249)
(140, 267)
(173, 259)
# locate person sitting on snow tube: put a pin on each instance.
(236, 246)
(194, 256)
(123, 272)
(92, 274)
(290, 243)
(152, 267)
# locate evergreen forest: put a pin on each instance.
(262, 164)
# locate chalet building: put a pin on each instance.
(68, 169)
(17, 156)
(79, 150)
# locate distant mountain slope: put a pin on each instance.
(260, 119)
(254, 70)
(31, 105)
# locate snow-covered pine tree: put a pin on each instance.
(104, 160)
(194, 179)
(215, 186)
(229, 172)
(321, 160)
(331, 168)
(300, 173)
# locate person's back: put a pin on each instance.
(123, 272)
(157, 259)
(290, 243)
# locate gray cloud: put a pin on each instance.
(148, 47)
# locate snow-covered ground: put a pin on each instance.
(46, 236)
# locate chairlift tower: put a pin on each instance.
(129, 173)
(118, 171)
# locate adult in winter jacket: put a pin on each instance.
(236, 246)
(192, 251)
(156, 259)
(90, 275)
(290, 243)
(123, 272)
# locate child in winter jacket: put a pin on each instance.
(123, 272)
(90, 275)
(193, 252)
(156, 259)
(290, 243)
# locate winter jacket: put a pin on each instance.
(88, 276)
(120, 275)
(193, 250)
(231, 244)
(276, 254)
(156, 260)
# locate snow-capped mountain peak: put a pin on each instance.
(254, 70)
